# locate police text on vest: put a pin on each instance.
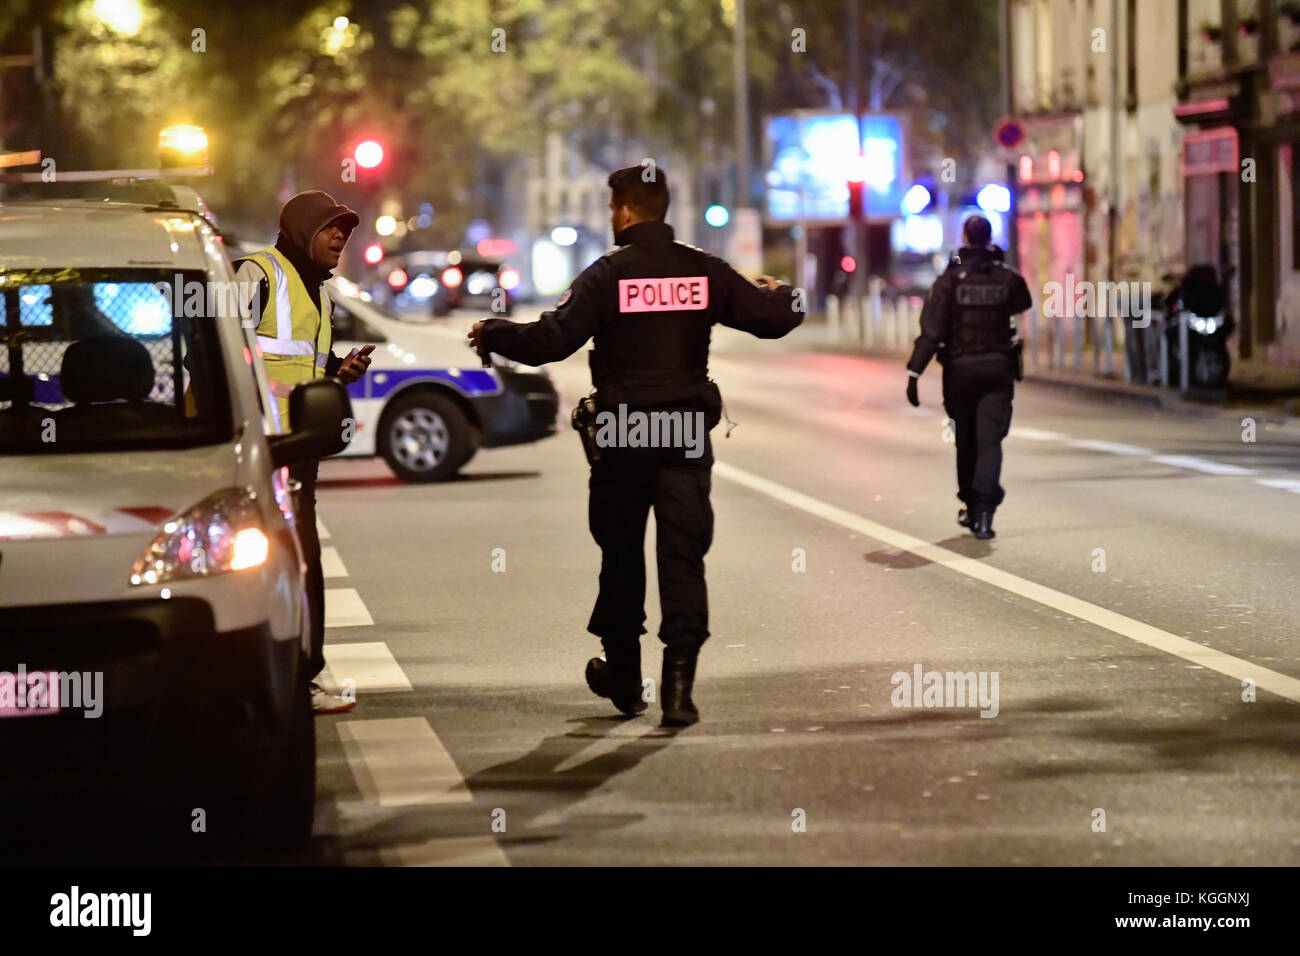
(666, 294)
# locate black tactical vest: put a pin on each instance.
(981, 319)
(658, 302)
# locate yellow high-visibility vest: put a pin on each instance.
(294, 336)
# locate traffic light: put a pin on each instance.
(856, 207)
(368, 154)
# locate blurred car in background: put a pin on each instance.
(470, 282)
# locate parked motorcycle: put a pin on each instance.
(1200, 300)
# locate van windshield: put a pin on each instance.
(98, 359)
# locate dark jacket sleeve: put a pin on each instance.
(1020, 299)
(935, 320)
(767, 314)
(558, 333)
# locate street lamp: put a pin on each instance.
(182, 145)
(121, 16)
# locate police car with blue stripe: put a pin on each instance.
(426, 405)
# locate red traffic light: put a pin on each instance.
(856, 207)
(369, 154)
(374, 254)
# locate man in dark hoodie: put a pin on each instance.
(292, 313)
(967, 321)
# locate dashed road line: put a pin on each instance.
(1110, 447)
(1284, 484)
(344, 608)
(1154, 637)
(400, 762)
(1191, 462)
(332, 564)
(1202, 465)
(395, 762)
(369, 665)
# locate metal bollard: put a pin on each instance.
(1184, 372)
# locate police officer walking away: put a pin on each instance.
(967, 322)
(649, 305)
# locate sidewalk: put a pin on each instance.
(1264, 392)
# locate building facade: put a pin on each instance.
(1161, 134)
(1239, 102)
(1098, 190)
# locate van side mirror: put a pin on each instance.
(320, 412)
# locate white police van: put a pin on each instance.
(149, 567)
(427, 405)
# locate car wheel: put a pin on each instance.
(441, 309)
(281, 817)
(425, 437)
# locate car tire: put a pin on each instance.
(280, 818)
(441, 309)
(439, 429)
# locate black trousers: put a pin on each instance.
(625, 484)
(309, 539)
(977, 393)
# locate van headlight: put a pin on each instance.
(223, 532)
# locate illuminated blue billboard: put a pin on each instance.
(812, 156)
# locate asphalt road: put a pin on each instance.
(1140, 587)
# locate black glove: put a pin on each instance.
(911, 391)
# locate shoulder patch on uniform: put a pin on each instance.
(568, 294)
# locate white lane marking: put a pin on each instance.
(1036, 434)
(344, 608)
(1110, 447)
(321, 531)
(1236, 667)
(331, 564)
(400, 762)
(1202, 465)
(1285, 484)
(450, 851)
(369, 665)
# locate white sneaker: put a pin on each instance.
(323, 702)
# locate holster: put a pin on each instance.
(584, 423)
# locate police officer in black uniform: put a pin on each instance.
(649, 305)
(967, 322)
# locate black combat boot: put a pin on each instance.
(964, 518)
(618, 676)
(675, 690)
(983, 526)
